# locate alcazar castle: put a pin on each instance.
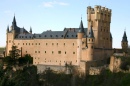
(81, 47)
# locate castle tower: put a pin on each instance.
(79, 41)
(10, 36)
(124, 42)
(100, 18)
(90, 43)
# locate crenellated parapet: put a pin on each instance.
(101, 13)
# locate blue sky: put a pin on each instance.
(54, 15)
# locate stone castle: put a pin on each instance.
(81, 47)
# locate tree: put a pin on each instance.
(14, 52)
(27, 59)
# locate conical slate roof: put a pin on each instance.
(14, 22)
(124, 39)
(81, 27)
(91, 35)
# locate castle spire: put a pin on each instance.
(14, 22)
(81, 27)
(91, 35)
(30, 30)
(8, 28)
(124, 39)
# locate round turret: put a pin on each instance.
(90, 44)
(124, 42)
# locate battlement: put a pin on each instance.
(98, 9)
(99, 13)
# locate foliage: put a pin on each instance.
(27, 59)
(14, 52)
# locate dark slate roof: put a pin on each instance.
(14, 22)
(81, 27)
(91, 35)
(124, 39)
(19, 30)
(67, 33)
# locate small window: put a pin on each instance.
(73, 52)
(52, 43)
(92, 40)
(45, 51)
(59, 52)
(65, 52)
(50, 35)
(35, 51)
(18, 43)
(73, 44)
(76, 35)
(26, 43)
(46, 43)
(45, 36)
(38, 51)
(89, 39)
(36, 43)
(29, 43)
(64, 44)
(52, 52)
(32, 43)
(26, 51)
(92, 47)
(9, 41)
(56, 35)
(61, 35)
(57, 43)
(23, 43)
(39, 43)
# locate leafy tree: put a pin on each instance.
(14, 52)
(27, 59)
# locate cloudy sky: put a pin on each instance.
(54, 15)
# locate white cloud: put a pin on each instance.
(53, 3)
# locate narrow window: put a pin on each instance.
(38, 51)
(46, 43)
(59, 52)
(73, 44)
(73, 52)
(39, 43)
(52, 52)
(23, 43)
(64, 44)
(26, 51)
(92, 47)
(35, 51)
(65, 52)
(57, 43)
(45, 51)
